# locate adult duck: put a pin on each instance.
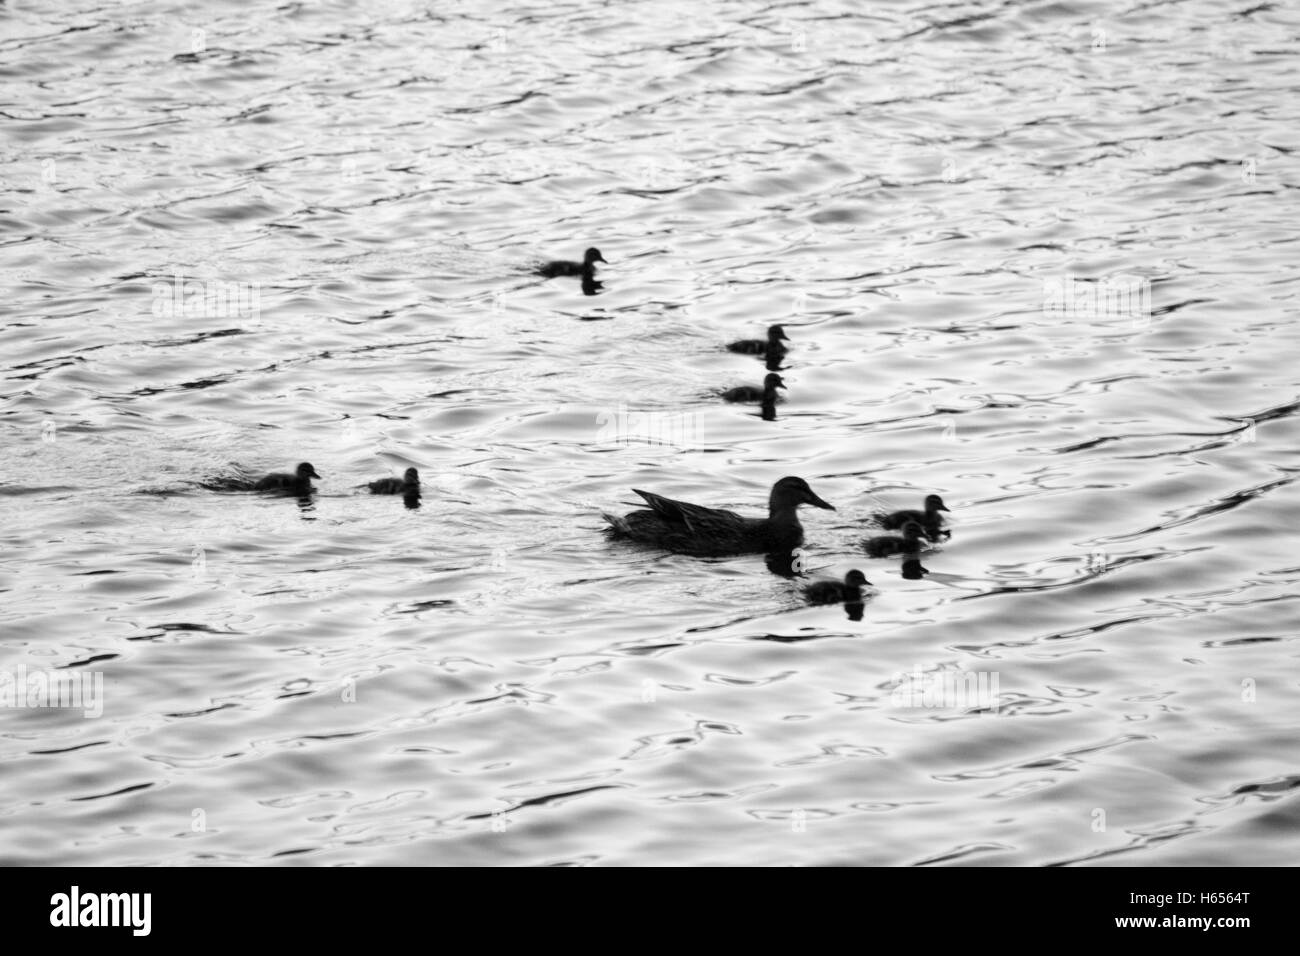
(565, 267)
(882, 546)
(299, 482)
(752, 393)
(693, 529)
(766, 347)
(833, 592)
(408, 483)
(930, 519)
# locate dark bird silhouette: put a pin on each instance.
(912, 569)
(929, 519)
(298, 483)
(752, 393)
(882, 546)
(770, 346)
(409, 482)
(833, 592)
(693, 529)
(563, 267)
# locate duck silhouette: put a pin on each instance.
(912, 569)
(299, 482)
(563, 267)
(752, 393)
(408, 483)
(766, 347)
(882, 546)
(930, 519)
(834, 592)
(686, 528)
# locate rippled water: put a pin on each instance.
(486, 679)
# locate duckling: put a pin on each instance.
(771, 346)
(882, 546)
(833, 592)
(913, 570)
(562, 267)
(752, 393)
(299, 482)
(929, 519)
(409, 482)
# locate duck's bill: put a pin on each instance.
(818, 503)
(943, 508)
(781, 385)
(600, 258)
(312, 474)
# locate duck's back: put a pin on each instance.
(387, 486)
(703, 532)
(824, 592)
(743, 393)
(559, 268)
(896, 519)
(885, 545)
(274, 482)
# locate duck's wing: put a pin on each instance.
(896, 519)
(559, 267)
(695, 518)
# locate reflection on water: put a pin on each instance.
(1034, 258)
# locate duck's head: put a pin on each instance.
(934, 503)
(773, 381)
(305, 471)
(592, 255)
(776, 334)
(411, 477)
(856, 579)
(792, 492)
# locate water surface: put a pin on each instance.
(360, 191)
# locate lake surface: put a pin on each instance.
(1039, 258)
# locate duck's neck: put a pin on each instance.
(783, 512)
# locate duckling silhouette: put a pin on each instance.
(833, 592)
(912, 569)
(693, 529)
(752, 393)
(767, 347)
(409, 482)
(563, 267)
(882, 546)
(299, 483)
(929, 519)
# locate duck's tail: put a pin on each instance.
(618, 527)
